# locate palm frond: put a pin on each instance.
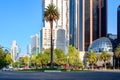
(51, 13)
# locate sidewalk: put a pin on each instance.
(107, 70)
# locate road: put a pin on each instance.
(59, 75)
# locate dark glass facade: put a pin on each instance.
(87, 23)
(95, 20)
(102, 20)
(43, 24)
(80, 32)
(118, 24)
(43, 8)
(73, 24)
(91, 22)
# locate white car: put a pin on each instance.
(7, 69)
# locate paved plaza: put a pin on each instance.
(95, 75)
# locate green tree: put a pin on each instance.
(38, 60)
(59, 57)
(5, 58)
(51, 14)
(21, 62)
(72, 55)
(105, 57)
(8, 59)
(16, 64)
(117, 53)
(92, 58)
(78, 63)
(33, 61)
(26, 60)
(44, 59)
(46, 51)
(2, 58)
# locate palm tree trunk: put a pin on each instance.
(92, 66)
(105, 64)
(51, 26)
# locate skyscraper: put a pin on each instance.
(89, 22)
(58, 39)
(45, 36)
(14, 51)
(29, 49)
(73, 22)
(118, 24)
(35, 44)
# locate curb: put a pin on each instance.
(52, 71)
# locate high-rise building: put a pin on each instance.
(88, 21)
(45, 36)
(118, 24)
(59, 40)
(35, 44)
(29, 49)
(63, 9)
(73, 22)
(14, 51)
(43, 8)
(62, 23)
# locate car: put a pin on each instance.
(7, 69)
(20, 68)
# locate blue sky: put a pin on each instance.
(19, 19)
(112, 15)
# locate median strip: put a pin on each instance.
(52, 71)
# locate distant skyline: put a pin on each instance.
(19, 19)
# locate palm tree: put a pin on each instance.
(105, 57)
(51, 14)
(92, 58)
(117, 53)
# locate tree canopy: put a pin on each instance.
(117, 51)
(72, 56)
(59, 57)
(5, 58)
(51, 13)
(105, 57)
(92, 58)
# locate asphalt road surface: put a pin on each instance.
(59, 75)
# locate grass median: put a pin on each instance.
(51, 70)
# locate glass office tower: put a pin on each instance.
(118, 24)
(88, 22)
(73, 23)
